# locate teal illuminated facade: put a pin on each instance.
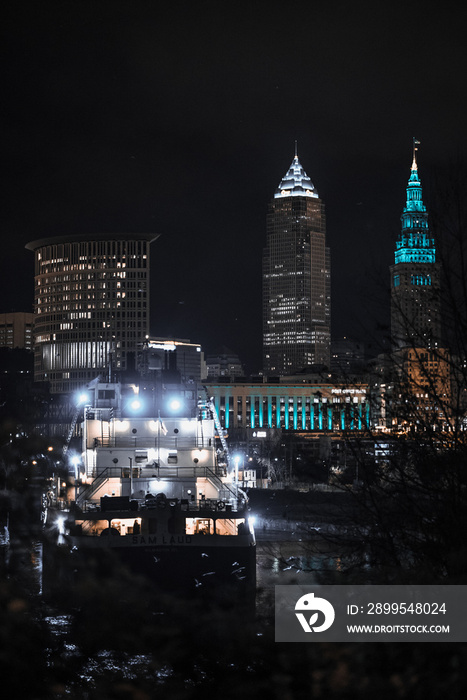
(415, 303)
(296, 278)
(293, 406)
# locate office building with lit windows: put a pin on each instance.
(17, 330)
(296, 278)
(307, 405)
(91, 306)
(415, 274)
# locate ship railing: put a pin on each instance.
(162, 472)
(84, 507)
(167, 442)
(203, 505)
(213, 504)
(225, 491)
(225, 507)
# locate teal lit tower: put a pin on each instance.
(415, 289)
(296, 278)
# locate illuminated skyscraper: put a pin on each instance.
(415, 292)
(91, 306)
(296, 278)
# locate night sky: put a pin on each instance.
(180, 118)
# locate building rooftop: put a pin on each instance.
(295, 183)
(78, 237)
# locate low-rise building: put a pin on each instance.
(17, 330)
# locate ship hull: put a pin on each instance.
(177, 564)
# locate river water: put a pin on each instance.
(283, 557)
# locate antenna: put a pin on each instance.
(296, 154)
(416, 143)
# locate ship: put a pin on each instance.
(154, 489)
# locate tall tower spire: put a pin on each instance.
(415, 308)
(296, 277)
(416, 143)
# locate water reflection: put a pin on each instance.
(312, 560)
(69, 653)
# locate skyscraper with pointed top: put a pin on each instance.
(415, 275)
(296, 278)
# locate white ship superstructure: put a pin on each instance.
(154, 488)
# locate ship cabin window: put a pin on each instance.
(124, 526)
(225, 526)
(141, 456)
(95, 527)
(199, 526)
(172, 458)
(152, 526)
(104, 394)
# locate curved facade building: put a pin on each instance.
(91, 306)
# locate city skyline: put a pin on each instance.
(136, 119)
